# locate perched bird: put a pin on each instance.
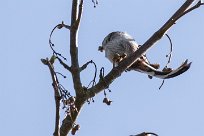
(118, 45)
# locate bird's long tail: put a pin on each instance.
(164, 74)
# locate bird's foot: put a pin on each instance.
(117, 58)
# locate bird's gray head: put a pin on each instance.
(114, 36)
(111, 37)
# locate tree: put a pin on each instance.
(73, 104)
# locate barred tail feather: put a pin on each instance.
(152, 72)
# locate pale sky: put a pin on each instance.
(26, 94)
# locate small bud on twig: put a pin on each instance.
(107, 101)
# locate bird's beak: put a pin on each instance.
(100, 48)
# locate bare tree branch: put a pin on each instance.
(74, 49)
(69, 120)
(117, 71)
(85, 65)
(77, 10)
(197, 5)
(64, 65)
(67, 123)
(169, 60)
(59, 26)
(57, 95)
(74, 11)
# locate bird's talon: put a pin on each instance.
(116, 57)
(124, 55)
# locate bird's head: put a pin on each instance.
(107, 39)
(111, 36)
(114, 36)
(100, 48)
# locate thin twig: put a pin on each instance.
(171, 50)
(65, 94)
(59, 26)
(197, 5)
(50, 41)
(95, 2)
(95, 73)
(101, 77)
(64, 64)
(61, 74)
(85, 65)
(65, 26)
(161, 84)
(168, 55)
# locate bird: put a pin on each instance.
(119, 45)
